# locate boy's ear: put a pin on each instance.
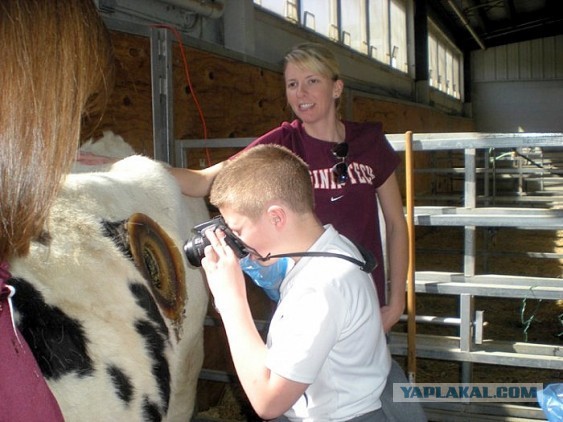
(277, 216)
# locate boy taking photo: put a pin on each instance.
(326, 356)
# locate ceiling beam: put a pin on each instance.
(466, 24)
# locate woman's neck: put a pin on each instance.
(332, 130)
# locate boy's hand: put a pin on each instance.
(223, 271)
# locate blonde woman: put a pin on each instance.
(352, 167)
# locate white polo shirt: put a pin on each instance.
(327, 332)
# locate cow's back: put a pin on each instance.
(116, 335)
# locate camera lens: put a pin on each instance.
(194, 249)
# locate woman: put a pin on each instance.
(361, 157)
(352, 168)
(57, 67)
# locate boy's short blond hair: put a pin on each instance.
(256, 177)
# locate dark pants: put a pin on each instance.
(375, 416)
(399, 412)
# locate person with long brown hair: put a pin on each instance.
(57, 68)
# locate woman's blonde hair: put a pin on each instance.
(57, 67)
(316, 58)
(260, 175)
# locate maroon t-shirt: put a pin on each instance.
(24, 394)
(352, 207)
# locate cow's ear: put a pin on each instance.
(159, 261)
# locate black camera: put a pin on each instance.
(194, 248)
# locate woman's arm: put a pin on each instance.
(196, 183)
(397, 250)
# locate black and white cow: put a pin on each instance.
(106, 300)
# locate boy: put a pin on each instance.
(326, 356)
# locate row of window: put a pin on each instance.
(376, 28)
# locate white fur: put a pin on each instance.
(109, 145)
(84, 274)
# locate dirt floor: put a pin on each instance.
(507, 319)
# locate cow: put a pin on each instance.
(106, 299)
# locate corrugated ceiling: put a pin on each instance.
(476, 24)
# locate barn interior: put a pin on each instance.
(470, 90)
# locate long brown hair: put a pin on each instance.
(57, 66)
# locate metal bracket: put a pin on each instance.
(162, 95)
(479, 324)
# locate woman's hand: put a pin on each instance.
(224, 276)
(390, 315)
(89, 159)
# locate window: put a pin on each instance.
(284, 8)
(398, 41)
(379, 30)
(353, 25)
(376, 28)
(432, 60)
(444, 63)
(320, 16)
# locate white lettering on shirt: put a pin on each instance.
(357, 174)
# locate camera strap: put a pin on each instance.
(368, 266)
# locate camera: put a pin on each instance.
(194, 248)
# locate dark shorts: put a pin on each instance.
(375, 416)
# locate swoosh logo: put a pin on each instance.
(335, 198)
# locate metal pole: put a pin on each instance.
(411, 299)
(466, 302)
(162, 95)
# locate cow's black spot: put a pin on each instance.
(150, 411)
(156, 346)
(122, 383)
(115, 230)
(44, 238)
(57, 341)
(145, 300)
